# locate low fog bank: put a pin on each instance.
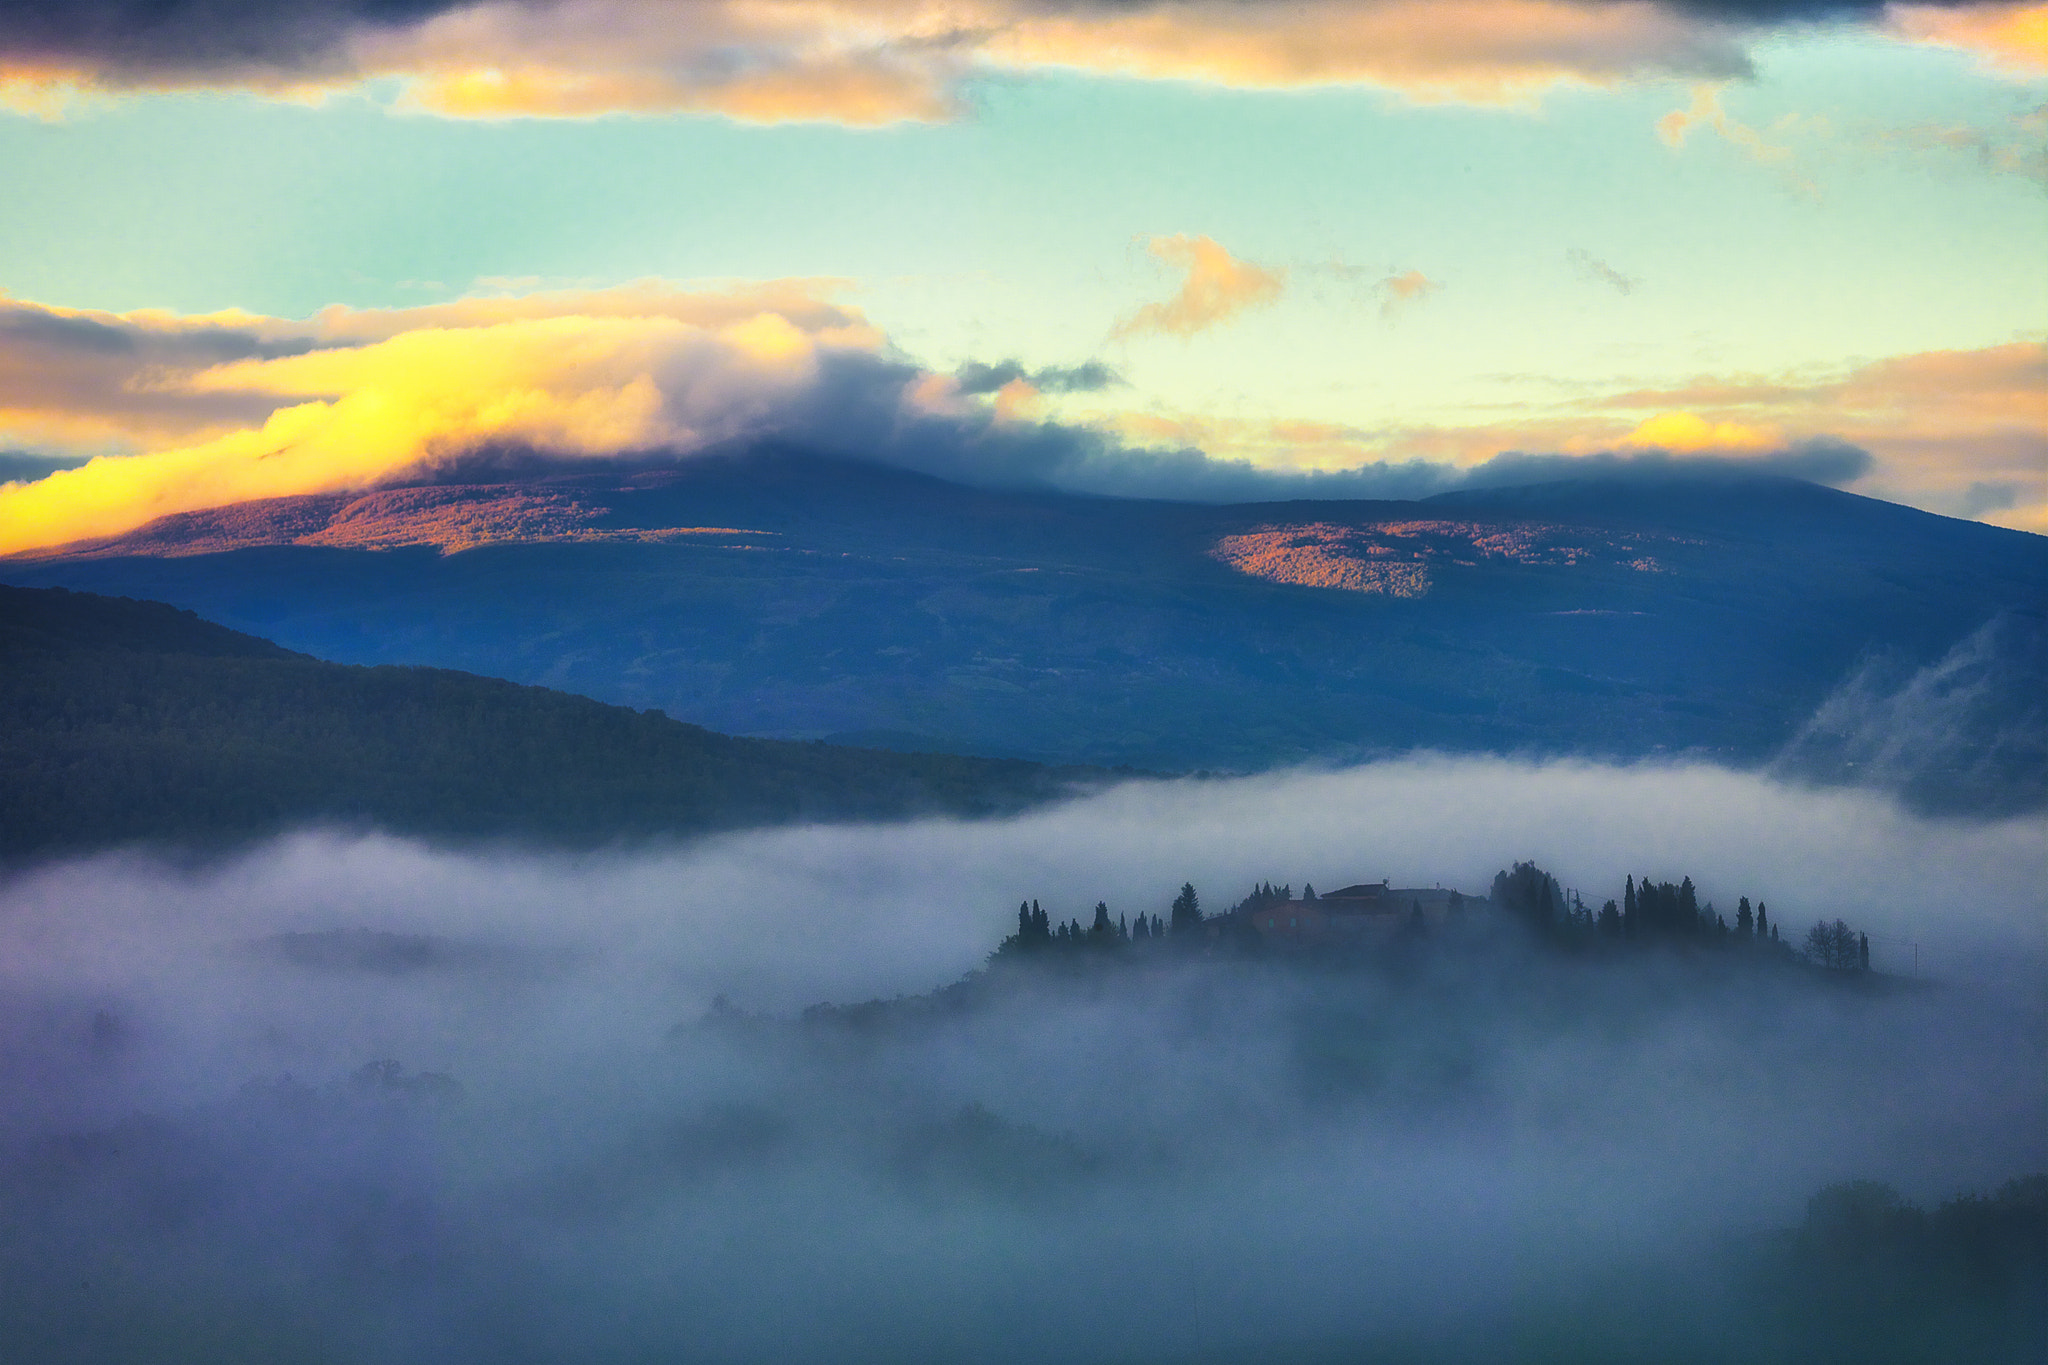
(577, 1151)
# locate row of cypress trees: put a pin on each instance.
(1036, 931)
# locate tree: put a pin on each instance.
(1530, 894)
(1308, 891)
(1763, 922)
(1863, 952)
(1833, 946)
(1745, 921)
(1631, 912)
(1610, 921)
(1187, 909)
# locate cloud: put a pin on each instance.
(1592, 268)
(862, 62)
(349, 399)
(187, 413)
(2018, 146)
(1939, 422)
(1402, 290)
(976, 377)
(1216, 288)
(2011, 39)
(1705, 111)
(1970, 721)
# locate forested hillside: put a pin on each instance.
(125, 721)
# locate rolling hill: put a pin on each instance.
(133, 722)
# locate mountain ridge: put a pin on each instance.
(788, 594)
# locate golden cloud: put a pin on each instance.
(1959, 432)
(2010, 38)
(1216, 288)
(350, 399)
(1403, 288)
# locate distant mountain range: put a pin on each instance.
(784, 594)
(125, 722)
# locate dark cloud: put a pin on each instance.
(1600, 272)
(198, 35)
(26, 328)
(1989, 496)
(103, 370)
(856, 410)
(21, 466)
(226, 38)
(1822, 460)
(975, 377)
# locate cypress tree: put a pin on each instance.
(1745, 921)
(1631, 915)
(1610, 921)
(1763, 922)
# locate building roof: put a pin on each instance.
(1364, 891)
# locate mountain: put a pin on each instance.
(778, 593)
(125, 721)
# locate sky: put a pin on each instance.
(260, 249)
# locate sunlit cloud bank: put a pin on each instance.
(884, 61)
(1964, 433)
(189, 412)
(1068, 1172)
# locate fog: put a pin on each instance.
(582, 1152)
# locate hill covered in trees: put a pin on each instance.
(124, 721)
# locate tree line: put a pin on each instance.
(1661, 912)
(1036, 933)
(1649, 912)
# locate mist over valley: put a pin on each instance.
(527, 1106)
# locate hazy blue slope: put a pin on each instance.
(881, 603)
(131, 722)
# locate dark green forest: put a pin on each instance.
(124, 721)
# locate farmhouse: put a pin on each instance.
(1366, 912)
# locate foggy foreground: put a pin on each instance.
(352, 1099)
